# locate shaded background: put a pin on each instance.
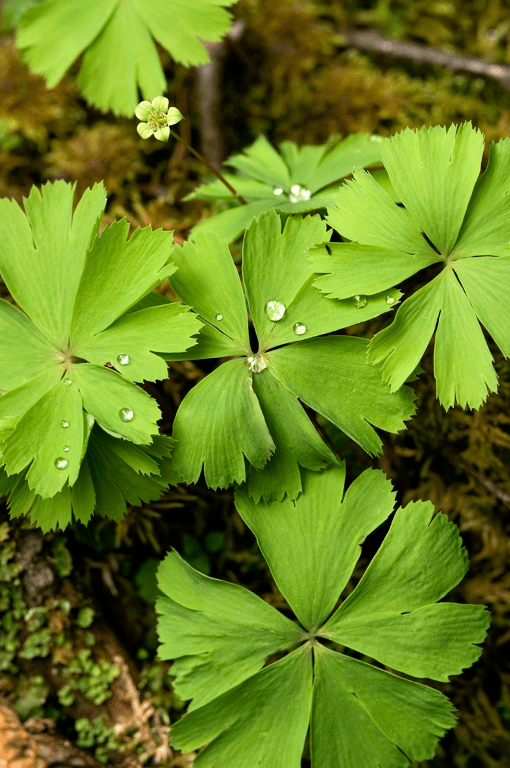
(82, 667)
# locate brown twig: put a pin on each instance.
(373, 42)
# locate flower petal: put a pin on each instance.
(143, 110)
(161, 103)
(145, 130)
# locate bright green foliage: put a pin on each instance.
(248, 408)
(359, 715)
(452, 218)
(298, 180)
(81, 297)
(118, 40)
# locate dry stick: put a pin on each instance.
(371, 41)
(211, 167)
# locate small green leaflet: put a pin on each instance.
(245, 421)
(80, 295)
(118, 40)
(453, 218)
(298, 180)
(136, 475)
(221, 635)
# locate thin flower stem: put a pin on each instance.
(211, 167)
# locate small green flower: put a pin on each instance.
(157, 117)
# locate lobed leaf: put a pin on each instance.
(313, 544)
(220, 633)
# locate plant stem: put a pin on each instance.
(211, 167)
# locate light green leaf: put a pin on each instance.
(332, 377)
(116, 404)
(287, 266)
(209, 343)
(358, 150)
(218, 423)
(49, 514)
(181, 26)
(261, 161)
(364, 716)
(390, 615)
(433, 171)
(40, 440)
(17, 401)
(365, 213)
(402, 345)
(129, 343)
(207, 279)
(351, 268)
(313, 544)
(487, 284)
(121, 59)
(462, 360)
(25, 352)
(486, 227)
(297, 443)
(216, 190)
(104, 27)
(117, 274)
(230, 224)
(248, 725)
(219, 633)
(52, 255)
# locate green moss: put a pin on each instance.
(91, 679)
(95, 734)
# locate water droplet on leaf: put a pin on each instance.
(123, 359)
(299, 193)
(126, 414)
(278, 191)
(299, 329)
(65, 424)
(66, 449)
(256, 363)
(275, 310)
(359, 301)
(61, 463)
(390, 299)
(219, 316)
(68, 382)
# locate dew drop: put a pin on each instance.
(299, 193)
(359, 301)
(256, 363)
(219, 316)
(278, 191)
(123, 359)
(66, 449)
(65, 424)
(61, 463)
(299, 329)
(126, 414)
(376, 138)
(68, 382)
(390, 299)
(275, 310)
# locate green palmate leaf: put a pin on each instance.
(208, 280)
(77, 286)
(297, 443)
(434, 173)
(53, 256)
(212, 426)
(365, 716)
(118, 39)
(127, 343)
(360, 715)
(395, 601)
(296, 181)
(248, 725)
(24, 352)
(313, 545)
(233, 428)
(106, 492)
(219, 633)
(332, 377)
